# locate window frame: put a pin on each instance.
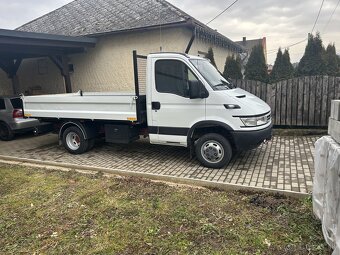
(179, 60)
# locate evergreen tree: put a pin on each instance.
(313, 61)
(275, 74)
(283, 68)
(256, 68)
(331, 58)
(210, 56)
(287, 67)
(232, 68)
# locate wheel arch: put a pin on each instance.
(204, 127)
(88, 129)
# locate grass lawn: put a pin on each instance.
(53, 212)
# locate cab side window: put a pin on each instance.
(2, 104)
(173, 76)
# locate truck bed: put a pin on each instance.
(87, 105)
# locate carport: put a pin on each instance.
(15, 46)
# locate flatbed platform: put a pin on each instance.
(84, 105)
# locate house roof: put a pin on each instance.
(250, 44)
(99, 17)
(19, 44)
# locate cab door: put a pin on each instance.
(173, 112)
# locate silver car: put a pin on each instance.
(12, 120)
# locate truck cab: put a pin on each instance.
(190, 104)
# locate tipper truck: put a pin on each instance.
(179, 100)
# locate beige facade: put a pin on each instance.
(5, 84)
(108, 66)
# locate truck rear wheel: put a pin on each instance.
(74, 141)
(213, 150)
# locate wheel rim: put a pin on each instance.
(73, 141)
(212, 151)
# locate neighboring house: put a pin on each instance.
(270, 69)
(120, 27)
(248, 45)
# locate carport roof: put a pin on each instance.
(19, 44)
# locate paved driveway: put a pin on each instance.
(285, 163)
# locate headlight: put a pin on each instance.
(256, 121)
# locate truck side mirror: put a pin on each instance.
(197, 90)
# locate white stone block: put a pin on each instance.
(335, 110)
(334, 129)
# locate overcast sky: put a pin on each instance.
(282, 22)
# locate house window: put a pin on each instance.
(173, 76)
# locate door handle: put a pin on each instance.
(156, 105)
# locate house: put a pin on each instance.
(119, 26)
(248, 45)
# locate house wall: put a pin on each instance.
(109, 66)
(5, 84)
(40, 76)
(36, 76)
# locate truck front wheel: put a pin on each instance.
(74, 140)
(213, 150)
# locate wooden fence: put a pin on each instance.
(298, 102)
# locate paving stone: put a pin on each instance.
(284, 163)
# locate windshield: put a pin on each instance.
(210, 74)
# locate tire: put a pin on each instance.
(6, 134)
(74, 141)
(213, 150)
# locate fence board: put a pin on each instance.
(271, 97)
(318, 101)
(278, 104)
(324, 117)
(312, 99)
(283, 102)
(253, 87)
(294, 101)
(306, 101)
(289, 103)
(300, 101)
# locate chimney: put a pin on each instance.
(244, 40)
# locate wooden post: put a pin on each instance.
(66, 74)
(15, 84)
(62, 64)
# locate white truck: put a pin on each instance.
(179, 100)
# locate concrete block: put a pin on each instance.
(335, 110)
(334, 129)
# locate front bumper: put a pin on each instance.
(247, 140)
